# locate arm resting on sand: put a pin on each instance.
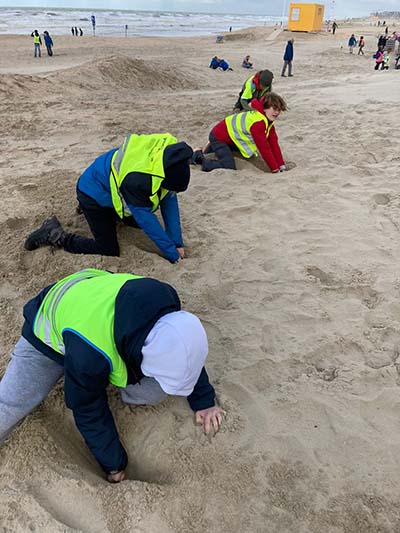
(170, 213)
(203, 395)
(258, 133)
(150, 224)
(86, 379)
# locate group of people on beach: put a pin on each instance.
(76, 32)
(221, 64)
(48, 41)
(385, 46)
(37, 43)
(95, 327)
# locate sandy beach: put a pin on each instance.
(295, 277)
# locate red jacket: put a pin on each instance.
(268, 147)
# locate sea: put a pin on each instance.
(117, 23)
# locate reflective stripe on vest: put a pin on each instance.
(239, 125)
(250, 90)
(140, 153)
(84, 303)
(36, 39)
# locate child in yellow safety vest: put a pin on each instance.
(37, 41)
(251, 133)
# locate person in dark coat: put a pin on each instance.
(97, 328)
(48, 41)
(288, 58)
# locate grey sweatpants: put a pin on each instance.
(30, 376)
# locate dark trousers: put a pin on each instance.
(49, 50)
(102, 224)
(223, 154)
(361, 51)
(377, 65)
(287, 63)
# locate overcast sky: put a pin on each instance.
(337, 8)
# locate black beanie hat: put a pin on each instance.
(176, 167)
(266, 78)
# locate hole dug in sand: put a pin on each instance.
(142, 434)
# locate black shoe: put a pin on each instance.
(290, 75)
(197, 157)
(283, 75)
(50, 233)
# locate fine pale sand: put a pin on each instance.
(295, 277)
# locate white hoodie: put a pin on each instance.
(175, 351)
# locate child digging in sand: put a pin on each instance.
(96, 328)
(251, 132)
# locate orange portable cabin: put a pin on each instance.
(306, 17)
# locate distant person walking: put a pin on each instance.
(37, 41)
(361, 44)
(288, 58)
(73, 31)
(48, 41)
(76, 31)
(334, 27)
(80, 32)
(352, 43)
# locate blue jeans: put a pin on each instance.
(37, 50)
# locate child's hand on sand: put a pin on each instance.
(116, 477)
(210, 417)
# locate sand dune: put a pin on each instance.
(295, 277)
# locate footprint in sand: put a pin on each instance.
(381, 199)
(16, 223)
(323, 277)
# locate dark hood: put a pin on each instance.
(176, 167)
(138, 306)
(265, 78)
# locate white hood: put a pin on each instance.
(175, 351)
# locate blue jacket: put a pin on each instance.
(48, 41)
(138, 306)
(95, 182)
(214, 63)
(288, 56)
(352, 41)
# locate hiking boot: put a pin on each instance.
(197, 157)
(50, 233)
